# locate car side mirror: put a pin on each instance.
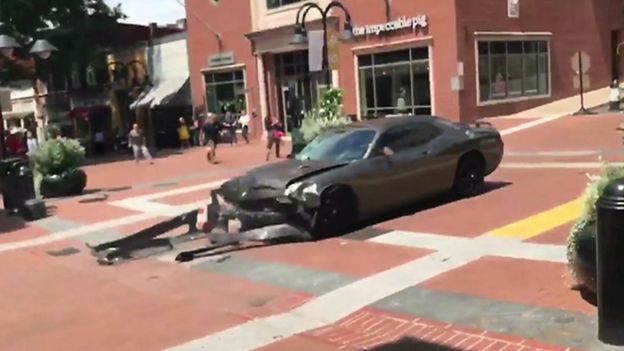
(387, 152)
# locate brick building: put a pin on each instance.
(458, 59)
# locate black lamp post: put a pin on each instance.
(300, 36)
(41, 48)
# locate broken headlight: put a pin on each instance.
(307, 193)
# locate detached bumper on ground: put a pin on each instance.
(226, 225)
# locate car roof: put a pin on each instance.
(385, 123)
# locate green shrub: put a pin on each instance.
(57, 156)
(328, 114)
(595, 188)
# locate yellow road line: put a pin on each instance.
(542, 222)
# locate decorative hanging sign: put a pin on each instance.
(398, 24)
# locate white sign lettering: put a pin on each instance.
(401, 23)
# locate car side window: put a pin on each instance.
(425, 133)
(395, 139)
(408, 137)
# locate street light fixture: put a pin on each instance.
(8, 44)
(300, 36)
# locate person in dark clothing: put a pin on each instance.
(211, 130)
(231, 122)
(275, 133)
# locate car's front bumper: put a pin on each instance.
(226, 215)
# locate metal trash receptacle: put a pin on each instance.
(17, 184)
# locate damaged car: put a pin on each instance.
(358, 172)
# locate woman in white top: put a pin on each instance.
(244, 122)
(31, 143)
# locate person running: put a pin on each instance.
(231, 122)
(244, 123)
(184, 134)
(136, 141)
(211, 130)
(275, 133)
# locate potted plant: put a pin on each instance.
(582, 239)
(328, 114)
(57, 162)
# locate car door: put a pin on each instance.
(422, 166)
(375, 177)
(416, 168)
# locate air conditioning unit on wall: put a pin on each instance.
(513, 8)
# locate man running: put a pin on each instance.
(211, 130)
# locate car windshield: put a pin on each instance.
(338, 145)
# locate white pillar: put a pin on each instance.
(335, 79)
(264, 108)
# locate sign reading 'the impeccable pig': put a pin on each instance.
(398, 24)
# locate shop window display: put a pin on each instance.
(513, 69)
(394, 83)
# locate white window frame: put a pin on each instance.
(506, 37)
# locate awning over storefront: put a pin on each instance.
(170, 91)
(18, 115)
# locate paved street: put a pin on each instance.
(486, 273)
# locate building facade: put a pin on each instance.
(462, 60)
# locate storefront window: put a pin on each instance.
(225, 91)
(511, 69)
(395, 82)
(271, 4)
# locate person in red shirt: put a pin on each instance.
(15, 144)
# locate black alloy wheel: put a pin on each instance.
(470, 177)
(337, 213)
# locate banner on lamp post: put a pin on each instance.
(315, 50)
(333, 48)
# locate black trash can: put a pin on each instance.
(17, 184)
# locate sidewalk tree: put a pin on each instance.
(581, 241)
(73, 26)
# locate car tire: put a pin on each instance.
(337, 213)
(469, 177)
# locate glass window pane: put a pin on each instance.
(498, 76)
(392, 57)
(543, 82)
(223, 77)
(514, 47)
(484, 77)
(367, 92)
(514, 75)
(421, 93)
(238, 75)
(420, 53)
(394, 87)
(365, 60)
(530, 47)
(498, 47)
(483, 47)
(542, 46)
(530, 74)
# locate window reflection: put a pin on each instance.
(510, 69)
(395, 82)
(225, 91)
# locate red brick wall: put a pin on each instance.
(441, 18)
(576, 25)
(232, 19)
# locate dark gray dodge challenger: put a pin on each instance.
(358, 172)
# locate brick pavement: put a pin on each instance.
(477, 306)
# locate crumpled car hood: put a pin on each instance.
(271, 180)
